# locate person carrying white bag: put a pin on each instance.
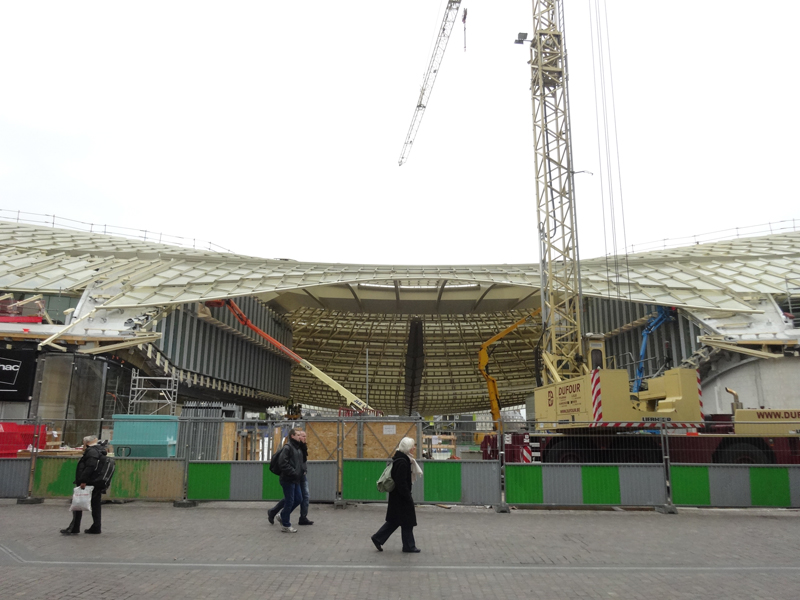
(82, 498)
(87, 479)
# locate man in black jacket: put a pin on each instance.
(291, 464)
(304, 520)
(86, 473)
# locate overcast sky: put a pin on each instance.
(274, 128)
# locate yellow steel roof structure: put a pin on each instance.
(338, 311)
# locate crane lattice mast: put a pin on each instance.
(450, 14)
(560, 271)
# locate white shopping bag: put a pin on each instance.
(82, 499)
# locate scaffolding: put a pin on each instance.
(165, 390)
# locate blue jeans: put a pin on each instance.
(292, 498)
(303, 503)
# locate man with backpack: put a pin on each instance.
(291, 465)
(304, 503)
(90, 472)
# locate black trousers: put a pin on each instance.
(97, 496)
(406, 534)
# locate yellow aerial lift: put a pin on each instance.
(491, 382)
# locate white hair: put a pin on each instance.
(90, 440)
(406, 444)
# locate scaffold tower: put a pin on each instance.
(146, 392)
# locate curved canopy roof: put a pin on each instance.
(339, 312)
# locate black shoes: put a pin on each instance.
(377, 545)
(69, 531)
(305, 521)
(414, 549)
(270, 517)
(91, 530)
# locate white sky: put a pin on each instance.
(274, 128)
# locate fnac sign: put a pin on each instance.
(9, 371)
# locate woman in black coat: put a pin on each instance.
(400, 512)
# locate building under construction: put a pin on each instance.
(405, 339)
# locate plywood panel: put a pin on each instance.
(350, 439)
(381, 438)
(228, 450)
(322, 438)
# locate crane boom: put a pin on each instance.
(350, 397)
(491, 382)
(560, 270)
(450, 14)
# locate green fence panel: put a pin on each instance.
(600, 485)
(54, 477)
(769, 486)
(359, 478)
(524, 484)
(270, 485)
(443, 481)
(209, 481)
(690, 486)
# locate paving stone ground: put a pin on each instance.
(151, 550)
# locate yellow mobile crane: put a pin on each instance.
(578, 392)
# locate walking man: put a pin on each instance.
(304, 503)
(291, 467)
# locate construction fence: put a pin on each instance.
(217, 459)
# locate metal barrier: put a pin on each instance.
(217, 480)
(652, 466)
(14, 476)
(442, 482)
(573, 485)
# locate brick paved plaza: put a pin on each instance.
(228, 550)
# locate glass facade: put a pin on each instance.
(82, 389)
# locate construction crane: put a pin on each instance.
(450, 14)
(555, 202)
(572, 397)
(293, 410)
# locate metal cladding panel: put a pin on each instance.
(14, 474)
(794, 486)
(480, 482)
(247, 480)
(642, 485)
(54, 476)
(209, 481)
(444, 481)
(359, 477)
(147, 479)
(204, 438)
(769, 486)
(600, 484)
(322, 478)
(193, 344)
(729, 485)
(524, 484)
(562, 484)
(690, 485)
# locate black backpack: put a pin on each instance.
(273, 462)
(105, 468)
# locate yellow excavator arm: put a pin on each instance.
(483, 362)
